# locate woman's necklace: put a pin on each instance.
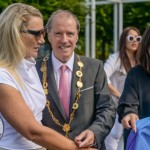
(65, 127)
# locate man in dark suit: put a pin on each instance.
(91, 111)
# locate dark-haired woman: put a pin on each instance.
(116, 67)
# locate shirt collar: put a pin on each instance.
(27, 63)
(57, 64)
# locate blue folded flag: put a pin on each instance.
(141, 139)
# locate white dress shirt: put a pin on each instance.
(56, 67)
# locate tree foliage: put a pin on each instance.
(134, 14)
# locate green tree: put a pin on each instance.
(133, 15)
(48, 6)
(137, 14)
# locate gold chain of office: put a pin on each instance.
(65, 127)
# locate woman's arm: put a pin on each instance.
(17, 113)
(111, 66)
(114, 91)
(129, 100)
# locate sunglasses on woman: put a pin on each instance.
(36, 33)
(132, 38)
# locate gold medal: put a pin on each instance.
(66, 127)
(45, 91)
(45, 85)
(80, 64)
(79, 73)
(79, 84)
(47, 103)
(75, 106)
(43, 69)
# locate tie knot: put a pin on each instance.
(63, 68)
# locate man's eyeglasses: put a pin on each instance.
(132, 38)
(36, 33)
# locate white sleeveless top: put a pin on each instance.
(34, 97)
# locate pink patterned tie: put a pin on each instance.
(64, 89)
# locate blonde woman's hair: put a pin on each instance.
(13, 21)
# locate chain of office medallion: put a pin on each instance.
(65, 127)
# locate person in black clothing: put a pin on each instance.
(135, 100)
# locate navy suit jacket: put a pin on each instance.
(96, 110)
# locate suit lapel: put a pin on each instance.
(52, 88)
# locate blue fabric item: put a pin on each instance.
(141, 139)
